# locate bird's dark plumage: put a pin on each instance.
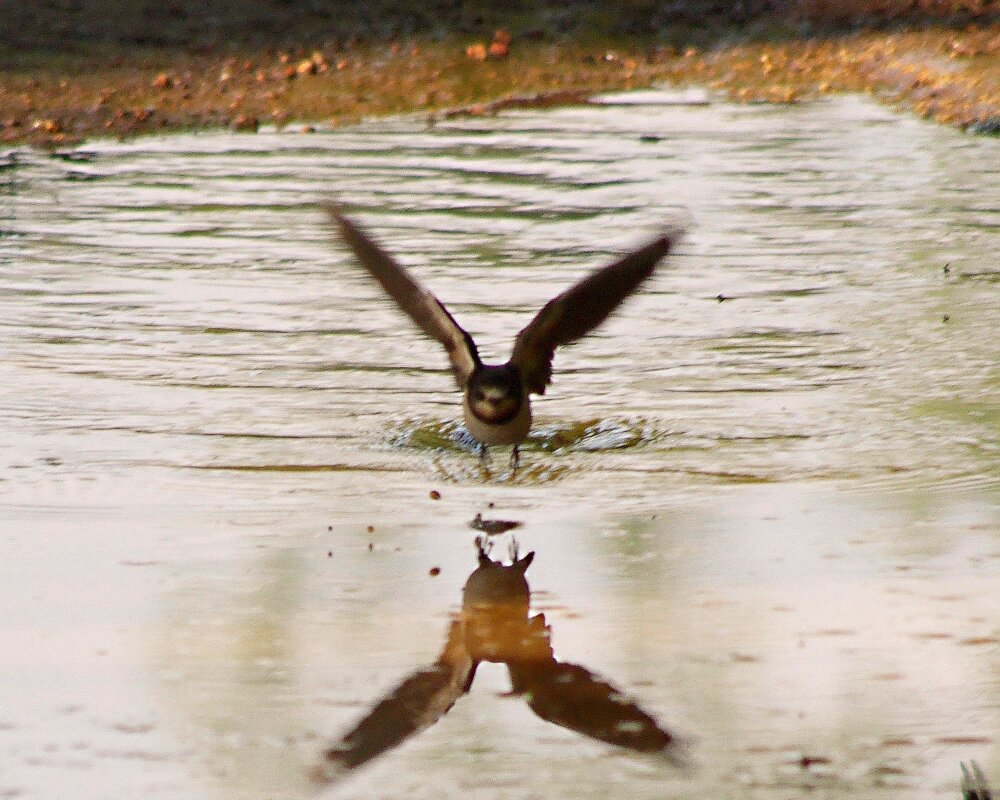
(580, 309)
(497, 404)
(422, 307)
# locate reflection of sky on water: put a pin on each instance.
(785, 543)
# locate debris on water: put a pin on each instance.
(962, 740)
(744, 658)
(806, 761)
(492, 527)
(980, 640)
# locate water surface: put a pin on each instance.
(764, 497)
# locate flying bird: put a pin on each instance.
(497, 397)
(496, 625)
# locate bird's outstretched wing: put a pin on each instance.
(573, 697)
(581, 308)
(418, 702)
(413, 298)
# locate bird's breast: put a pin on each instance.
(513, 431)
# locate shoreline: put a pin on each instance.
(56, 100)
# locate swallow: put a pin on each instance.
(496, 625)
(496, 400)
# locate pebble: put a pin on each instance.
(247, 123)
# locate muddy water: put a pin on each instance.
(765, 498)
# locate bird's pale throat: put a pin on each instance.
(495, 404)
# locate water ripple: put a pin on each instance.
(804, 308)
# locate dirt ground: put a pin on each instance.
(76, 69)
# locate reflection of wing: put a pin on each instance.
(581, 308)
(413, 298)
(974, 786)
(571, 696)
(418, 702)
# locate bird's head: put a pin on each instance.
(495, 394)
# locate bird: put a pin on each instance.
(496, 625)
(496, 401)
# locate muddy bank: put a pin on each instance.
(950, 76)
(79, 90)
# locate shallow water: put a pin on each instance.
(765, 497)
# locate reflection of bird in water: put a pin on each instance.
(495, 626)
(496, 401)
